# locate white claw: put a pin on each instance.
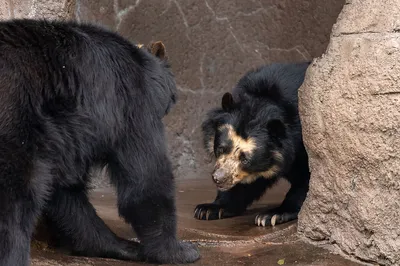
(221, 211)
(258, 220)
(273, 220)
(263, 221)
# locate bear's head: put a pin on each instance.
(248, 142)
(168, 94)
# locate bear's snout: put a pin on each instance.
(219, 176)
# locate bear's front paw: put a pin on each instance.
(174, 253)
(188, 253)
(274, 218)
(130, 250)
(209, 211)
(214, 211)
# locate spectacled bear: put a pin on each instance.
(256, 139)
(75, 96)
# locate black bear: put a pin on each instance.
(75, 96)
(256, 138)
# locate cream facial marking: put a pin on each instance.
(231, 164)
(239, 144)
(210, 146)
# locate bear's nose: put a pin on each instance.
(218, 175)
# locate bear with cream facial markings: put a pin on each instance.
(256, 138)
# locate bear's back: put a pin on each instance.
(278, 82)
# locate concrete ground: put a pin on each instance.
(235, 241)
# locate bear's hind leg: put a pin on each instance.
(24, 186)
(79, 228)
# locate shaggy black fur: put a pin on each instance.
(264, 107)
(75, 96)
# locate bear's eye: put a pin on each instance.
(220, 150)
(243, 159)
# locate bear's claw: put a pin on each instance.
(273, 218)
(208, 212)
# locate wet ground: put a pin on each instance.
(234, 241)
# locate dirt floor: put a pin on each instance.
(235, 241)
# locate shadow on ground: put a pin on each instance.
(235, 241)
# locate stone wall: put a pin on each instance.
(212, 43)
(350, 110)
(51, 9)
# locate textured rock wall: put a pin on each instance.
(350, 110)
(212, 43)
(51, 9)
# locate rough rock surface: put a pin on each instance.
(211, 43)
(50, 9)
(350, 110)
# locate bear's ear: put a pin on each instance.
(227, 102)
(276, 128)
(158, 49)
